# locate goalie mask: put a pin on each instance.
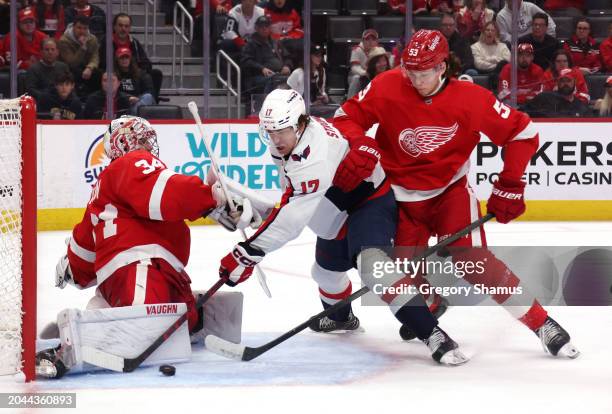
(127, 134)
(281, 109)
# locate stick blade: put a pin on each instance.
(224, 348)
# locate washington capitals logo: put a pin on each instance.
(425, 139)
(303, 155)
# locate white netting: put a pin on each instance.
(10, 236)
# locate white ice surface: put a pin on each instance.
(372, 371)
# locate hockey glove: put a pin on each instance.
(358, 164)
(507, 200)
(238, 265)
(244, 215)
(63, 274)
(222, 214)
(218, 195)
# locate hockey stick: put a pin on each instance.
(119, 364)
(193, 108)
(246, 353)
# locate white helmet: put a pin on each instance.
(129, 133)
(282, 108)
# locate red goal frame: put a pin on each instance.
(28, 235)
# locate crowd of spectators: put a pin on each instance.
(266, 39)
(61, 60)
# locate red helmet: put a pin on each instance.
(525, 48)
(426, 49)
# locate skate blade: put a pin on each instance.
(569, 351)
(341, 331)
(454, 358)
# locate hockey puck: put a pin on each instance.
(167, 370)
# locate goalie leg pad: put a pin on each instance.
(125, 332)
(51, 330)
(147, 282)
(221, 316)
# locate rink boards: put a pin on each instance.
(569, 178)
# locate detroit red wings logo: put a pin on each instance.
(425, 139)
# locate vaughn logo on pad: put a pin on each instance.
(162, 309)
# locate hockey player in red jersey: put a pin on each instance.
(133, 242)
(429, 125)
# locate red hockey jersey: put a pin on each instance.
(285, 25)
(426, 142)
(605, 51)
(27, 51)
(584, 55)
(530, 83)
(582, 90)
(136, 211)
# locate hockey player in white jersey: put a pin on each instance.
(307, 151)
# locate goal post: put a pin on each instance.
(18, 236)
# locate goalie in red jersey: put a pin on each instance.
(429, 124)
(133, 244)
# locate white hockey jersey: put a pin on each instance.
(309, 198)
(238, 25)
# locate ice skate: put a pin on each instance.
(49, 364)
(438, 308)
(556, 340)
(443, 349)
(327, 324)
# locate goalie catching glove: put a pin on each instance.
(507, 200)
(243, 216)
(238, 265)
(358, 164)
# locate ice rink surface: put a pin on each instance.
(370, 371)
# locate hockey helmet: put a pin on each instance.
(426, 49)
(281, 109)
(129, 133)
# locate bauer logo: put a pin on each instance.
(95, 160)
(242, 156)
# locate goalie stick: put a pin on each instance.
(193, 108)
(246, 353)
(119, 364)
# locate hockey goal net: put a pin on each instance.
(17, 236)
